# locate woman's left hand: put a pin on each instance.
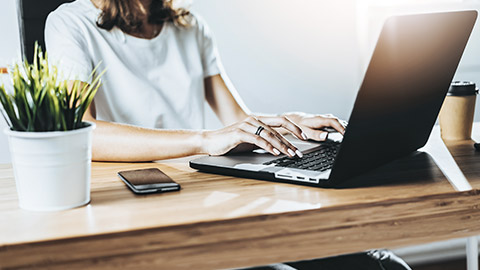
(313, 125)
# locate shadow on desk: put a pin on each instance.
(414, 168)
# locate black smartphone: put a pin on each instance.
(145, 181)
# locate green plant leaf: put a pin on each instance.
(42, 102)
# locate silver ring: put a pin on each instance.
(259, 130)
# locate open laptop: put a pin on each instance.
(396, 107)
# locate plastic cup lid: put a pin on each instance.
(462, 88)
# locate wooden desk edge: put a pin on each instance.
(222, 244)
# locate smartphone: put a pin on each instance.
(145, 181)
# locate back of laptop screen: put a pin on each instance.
(403, 89)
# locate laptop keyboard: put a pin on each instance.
(318, 160)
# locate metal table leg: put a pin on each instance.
(472, 253)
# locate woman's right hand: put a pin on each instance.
(219, 142)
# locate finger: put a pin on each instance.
(335, 123)
(257, 122)
(319, 122)
(247, 137)
(269, 135)
(275, 138)
(317, 135)
(280, 142)
(285, 122)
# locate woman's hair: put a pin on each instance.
(127, 14)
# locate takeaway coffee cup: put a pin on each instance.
(456, 115)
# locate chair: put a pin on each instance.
(32, 17)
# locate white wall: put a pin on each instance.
(288, 55)
(372, 13)
(10, 39)
(310, 55)
(9, 50)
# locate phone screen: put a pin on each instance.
(148, 181)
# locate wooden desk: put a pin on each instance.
(225, 222)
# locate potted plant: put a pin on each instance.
(49, 143)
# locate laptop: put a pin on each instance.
(408, 77)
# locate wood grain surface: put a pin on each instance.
(218, 222)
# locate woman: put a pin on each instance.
(162, 64)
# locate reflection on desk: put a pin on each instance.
(224, 222)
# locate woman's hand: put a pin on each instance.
(219, 142)
(313, 125)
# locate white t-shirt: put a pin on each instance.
(156, 83)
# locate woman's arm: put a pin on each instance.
(224, 100)
(120, 142)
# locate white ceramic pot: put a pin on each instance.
(52, 169)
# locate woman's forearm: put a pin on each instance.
(225, 100)
(118, 142)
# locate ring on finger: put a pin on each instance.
(259, 130)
